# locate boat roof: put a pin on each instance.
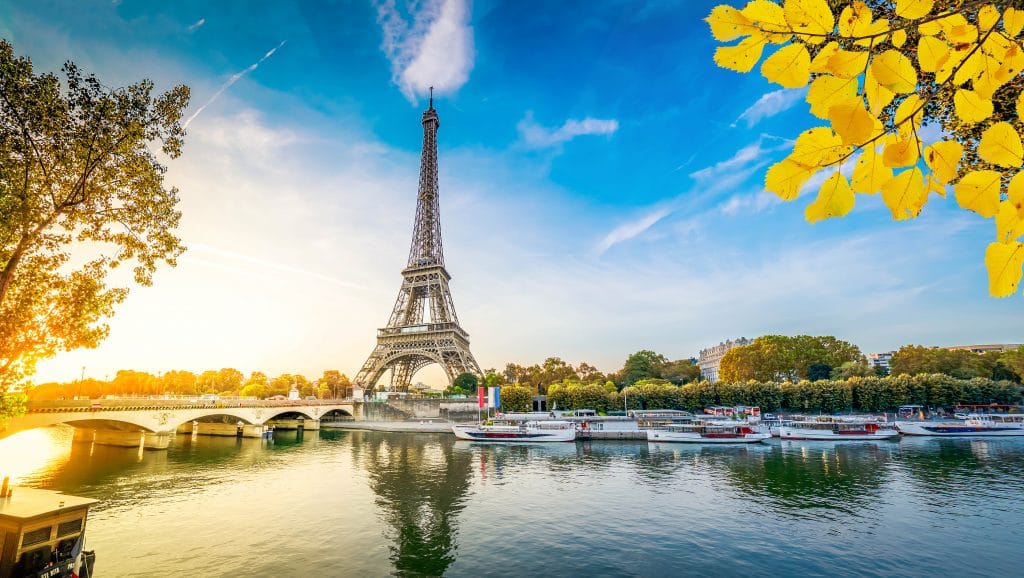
(26, 503)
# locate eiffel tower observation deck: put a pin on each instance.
(423, 328)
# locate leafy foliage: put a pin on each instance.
(962, 364)
(77, 169)
(879, 70)
(778, 357)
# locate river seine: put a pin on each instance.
(336, 503)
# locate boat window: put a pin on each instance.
(69, 527)
(36, 536)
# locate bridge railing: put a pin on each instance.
(156, 403)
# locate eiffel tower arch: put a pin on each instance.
(423, 328)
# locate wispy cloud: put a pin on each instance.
(266, 264)
(749, 203)
(431, 47)
(230, 81)
(195, 25)
(771, 104)
(536, 136)
(631, 229)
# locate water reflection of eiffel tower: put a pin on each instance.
(411, 341)
(421, 486)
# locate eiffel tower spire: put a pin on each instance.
(412, 340)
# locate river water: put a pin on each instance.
(335, 503)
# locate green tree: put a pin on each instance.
(81, 192)
(516, 398)
(337, 382)
(680, 371)
(818, 371)
(466, 382)
(644, 364)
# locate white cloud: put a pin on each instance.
(533, 135)
(435, 49)
(749, 203)
(771, 104)
(230, 81)
(195, 26)
(631, 229)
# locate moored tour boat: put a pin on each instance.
(527, 431)
(705, 432)
(45, 534)
(838, 429)
(974, 425)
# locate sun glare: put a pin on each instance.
(26, 455)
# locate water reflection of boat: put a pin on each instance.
(527, 431)
(974, 425)
(45, 534)
(707, 432)
(838, 429)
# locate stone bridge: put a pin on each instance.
(150, 423)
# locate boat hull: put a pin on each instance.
(812, 435)
(478, 434)
(696, 438)
(957, 430)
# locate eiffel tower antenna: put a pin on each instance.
(411, 340)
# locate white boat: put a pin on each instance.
(974, 425)
(838, 429)
(705, 432)
(527, 431)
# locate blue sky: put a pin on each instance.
(600, 188)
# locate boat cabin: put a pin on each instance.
(40, 532)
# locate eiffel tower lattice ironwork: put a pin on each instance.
(411, 341)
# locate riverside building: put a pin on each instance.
(711, 358)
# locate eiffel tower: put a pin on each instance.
(411, 342)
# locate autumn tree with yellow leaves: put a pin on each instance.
(878, 71)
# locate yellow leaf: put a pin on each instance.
(942, 158)
(908, 116)
(952, 61)
(971, 108)
(978, 191)
(818, 147)
(934, 186)
(879, 96)
(785, 178)
(870, 173)
(810, 18)
(847, 64)
(968, 69)
(895, 72)
(913, 9)
(958, 30)
(1012, 65)
(930, 28)
(901, 153)
(1005, 264)
(768, 17)
(835, 199)
(820, 62)
(828, 91)
(789, 66)
(899, 38)
(986, 80)
(741, 57)
(905, 194)
(853, 17)
(871, 34)
(1020, 105)
(727, 23)
(931, 53)
(1015, 192)
(1013, 21)
(988, 17)
(1009, 222)
(851, 122)
(1000, 145)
